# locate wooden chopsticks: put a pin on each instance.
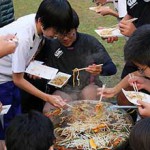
(134, 83)
(80, 69)
(130, 20)
(103, 87)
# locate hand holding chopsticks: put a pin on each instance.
(80, 69)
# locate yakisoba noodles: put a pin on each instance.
(59, 80)
(76, 74)
(107, 31)
(85, 129)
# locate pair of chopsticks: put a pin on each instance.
(130, 20)
(80, 69)
(103, 87)
(134, 83)
(69, 105)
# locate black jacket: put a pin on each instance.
(6, 12)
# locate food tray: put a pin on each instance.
(133, 96)
(108, 32)
(60, 79)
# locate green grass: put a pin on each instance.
(89, 21)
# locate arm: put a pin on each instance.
(111, 92)
(19, 80)
(107, 11)
(6, 46)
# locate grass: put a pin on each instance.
(89, 21)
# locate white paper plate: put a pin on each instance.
(36, 68)
(57, 78)
(133, 96)
(114, 32)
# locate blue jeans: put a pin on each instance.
(9, 95)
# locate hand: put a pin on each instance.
(111, 39)
(104, 11)
(98, 2)
(33, 77)
(126, 28)
(94, 69)
(144, 108)
(107, 92)
(56, 101)
(140, 82)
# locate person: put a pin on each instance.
(30, 131)
(136, 9)
(119, 12)
(137, 50)
(30, 30)
(6, 12)
(139, 136)
(7, 45)
(78, 50)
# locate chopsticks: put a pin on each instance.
(134, 83)
(69, 105)
(80, 69)
(130, 20)
(103, 87)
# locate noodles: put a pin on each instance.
(107, 32)
(59, 80)
(86, 129)
(76, 77)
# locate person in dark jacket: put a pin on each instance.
(6, 12)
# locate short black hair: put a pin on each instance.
(139, 138)
(76, 21)
(32, 131)
(137, 48)
(56, 14)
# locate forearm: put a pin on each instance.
(28, 87)
(114, 13)
(6, 48)
(122, 84)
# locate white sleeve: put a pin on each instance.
(122, 8)
(20, 57)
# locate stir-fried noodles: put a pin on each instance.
(84, 128)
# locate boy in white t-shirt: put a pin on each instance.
(30, 30)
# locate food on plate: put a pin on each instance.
(83, 128)
(59, 80)
(135, 95)
(107, 31)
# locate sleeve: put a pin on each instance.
(20, 57)
(101, 56)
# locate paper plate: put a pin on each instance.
(60, 79)
(108, 32)
(133, 96)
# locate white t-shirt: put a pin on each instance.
(28, 42)
(121, 7)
